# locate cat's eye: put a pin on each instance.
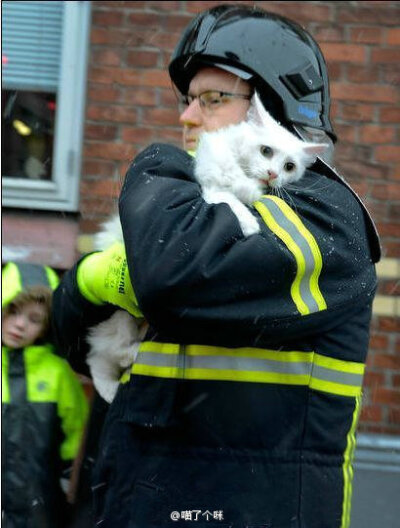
(266, 151)
(289, 166)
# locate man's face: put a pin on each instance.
(23, 326)
(196, 119)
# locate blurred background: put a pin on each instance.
(85, 88)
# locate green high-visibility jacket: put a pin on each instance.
(44, 410)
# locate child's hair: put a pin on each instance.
(37, 294)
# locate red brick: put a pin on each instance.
(365, 15)
(104, 93)
(396, 380)
(96, 208)
(389, 114)
(392, 249)
(155, 78)
(164, 6)
(373, 379)
(100, 131)
(389, 324)
(393, 37)
(387, 229)
(362, 74)
(364, 92)
(140, 58)
(110, 151)
(391, 73)
(107, 18)
(371, 413)
(343, 52)
(387, 361)
(385, 56)
(377, 134)
(394, 214)
(394, 415)
(387, 153)
(357, 112)
(389, 287)
(160, 116)
(366, 35)
(113, 37)
(106, 57)
(386, 396)
(98, 168)
(346, 133)
(171, 135)
(101, 188)
(140, 96)
(378, 342)
(147, 20)
(299, 11)
(336, 71)
(358, 169)
(112, 113)
(137, 135)
(328, 33)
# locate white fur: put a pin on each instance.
(113, 343)
(231, 168)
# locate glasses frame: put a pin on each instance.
(185, 100)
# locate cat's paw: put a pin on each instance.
(249, 224)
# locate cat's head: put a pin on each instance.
(280, 157)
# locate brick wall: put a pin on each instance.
(130, 104)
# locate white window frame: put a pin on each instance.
(62, 192)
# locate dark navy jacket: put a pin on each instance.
(245, 395)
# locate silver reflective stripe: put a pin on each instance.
(225, 363)
(335, 376)
(303, 244)
(32, 275)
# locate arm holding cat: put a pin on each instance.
(193, 271)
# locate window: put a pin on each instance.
(44, 62)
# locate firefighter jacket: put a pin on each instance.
(244, 398)
(44, 410)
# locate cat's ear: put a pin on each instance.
(313, 150)
(257, 112)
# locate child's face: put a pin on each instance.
(23, 326)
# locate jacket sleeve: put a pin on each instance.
(198, 279)
(73, 411)
(72, 316)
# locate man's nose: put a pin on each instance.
(192, 114)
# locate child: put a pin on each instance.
(44, 410)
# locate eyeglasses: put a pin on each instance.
(210, 100)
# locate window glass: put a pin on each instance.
(28, 134)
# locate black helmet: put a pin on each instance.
(275, 55)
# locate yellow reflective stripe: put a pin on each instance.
(288, 226)
(313, 246)
(334, 388)
(250, 365)
(348, 466)
(338, 364)
(162, 348)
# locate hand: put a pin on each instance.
(103, 277)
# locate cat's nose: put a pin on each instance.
(272, 175)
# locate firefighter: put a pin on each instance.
(242, 405)
(44, 407)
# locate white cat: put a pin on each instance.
(237, 164)
(113, 343)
